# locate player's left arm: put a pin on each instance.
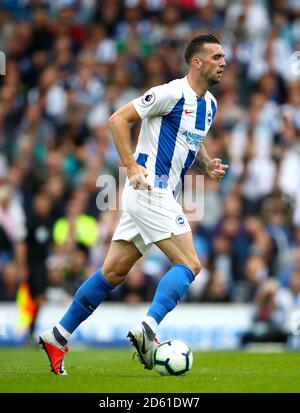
(211, 167)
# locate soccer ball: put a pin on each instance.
(173, 358)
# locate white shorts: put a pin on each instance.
(149, 216)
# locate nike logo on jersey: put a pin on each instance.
(188, 112)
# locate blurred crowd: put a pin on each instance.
(72, 63)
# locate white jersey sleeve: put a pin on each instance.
(157, 101)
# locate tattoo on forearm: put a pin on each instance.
(203, 166)
(203, 160)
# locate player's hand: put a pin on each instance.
(137, 175)
(216, 170)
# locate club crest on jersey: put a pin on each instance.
(180, 220)
(209, 118)
(148, 98)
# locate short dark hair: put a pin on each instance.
(196, 45)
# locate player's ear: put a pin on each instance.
(196, 62)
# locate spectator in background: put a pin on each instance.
(216, 289)
(293, 264)
(12, 217)
(251, 14)
(56, 292)
(12, 231)
(289, 297)
(276, 215)
(138, 287)
(221, 258)
(9, 281)
(268, 319)
(256, 273)
(56, 189)
(74, 268)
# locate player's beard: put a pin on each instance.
(213, 81)
(210, 79)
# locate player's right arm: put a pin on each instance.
(157, 101)
(119, 124)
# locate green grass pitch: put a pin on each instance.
(114, 371)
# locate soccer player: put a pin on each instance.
(175, 120)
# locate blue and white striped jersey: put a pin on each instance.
(175, 122)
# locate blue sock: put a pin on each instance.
(170, 290)
(87, 298)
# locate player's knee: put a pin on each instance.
(113, 276)
(195, 266)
